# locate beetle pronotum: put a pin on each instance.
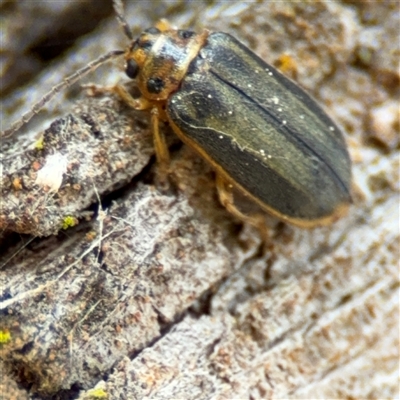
(260, 131)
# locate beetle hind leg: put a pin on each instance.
(225, 195)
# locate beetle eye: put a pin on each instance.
(132, 69)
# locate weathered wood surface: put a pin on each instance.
(162, 294)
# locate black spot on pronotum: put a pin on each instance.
(155, 85)
(132, 69)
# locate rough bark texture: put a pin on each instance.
(112, 287)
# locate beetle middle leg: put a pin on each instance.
(225, 195)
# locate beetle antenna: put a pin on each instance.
(119, 11)
(66, 82)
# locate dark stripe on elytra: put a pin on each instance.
(290, 134)
(291, 86)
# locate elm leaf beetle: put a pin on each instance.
(260, 131)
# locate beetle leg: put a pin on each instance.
(138, 104)
(160, 144)
(225, 195)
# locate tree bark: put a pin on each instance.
(112, 286)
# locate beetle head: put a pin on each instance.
(159, 59)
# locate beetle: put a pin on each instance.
(261, 132)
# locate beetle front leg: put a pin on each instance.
(225, 195)
(160, 144)
(140, 103)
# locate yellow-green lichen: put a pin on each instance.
(96, 394)
(68, 222)
(5, 337)
(39, 145)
